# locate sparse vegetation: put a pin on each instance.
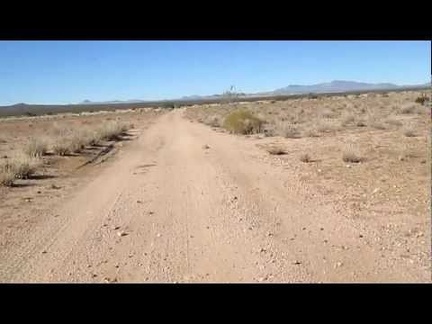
(347, 119)
(36, 147)
(7, 177)
(376, 124)
(361, 123)
(351, 155)
(327, 113)
(408, 109)
(213, 121)
(20, 166)
(112, 131)
(326, 125)
(311, 131)
(393, 121)
(61, 147)
(422, 100)
(243, 122)
(409, 130)
(305, 158)
(27, 141)
(276, 151)
(287, 130)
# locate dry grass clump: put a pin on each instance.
(326, 125)
(242, 122)
(409, 130)
(37, 147)
(408, 109)
(422, 100)
(287, 130)
(361, 123)
(61, 147)
(347, 119)
(352, 155)
(18, 167)
(393, 121)
(311, 131)
(327, 113)
(305, 158)
(78, 142)
(376, 121)
(92, 137)
(213, 121)
(276, 151)
(112, 131)
(6, 177)
(61, 130)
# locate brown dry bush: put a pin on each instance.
(21, 166)
(112, 131)
(61, 147)
(7, 177)
(287, 130)
(326, 125)
(393, 121)
(347, 119)
(352, 155)
(305, 158)
(408, 109)
(276, 151)
(36, 147)
(409, 130)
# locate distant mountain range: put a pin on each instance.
(294, 89)
(330, 87)
(337, 86)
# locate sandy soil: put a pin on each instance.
(185, 203)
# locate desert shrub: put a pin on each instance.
(407, 109)
(7, 177)
(213, 121)
(377, 124)
(409, 130)
(421, 100)
(78, 142)
(352, 155)
(360, 123)
(243, 122)
(327, 113)
(305, 158)
(60, 130)
(21, 166)
(347, 119)
(112, 131)
(287, 130)
(168, 105)
(326, 126)
(36, 147)
(311, 131)
(61, 147)
(276, 151)
(393, 121)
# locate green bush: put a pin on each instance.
(243, 122)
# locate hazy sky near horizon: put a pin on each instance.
(63, 72)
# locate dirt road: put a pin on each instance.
(184, 203)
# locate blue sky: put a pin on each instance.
(62, 72)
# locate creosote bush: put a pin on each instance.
(243, 122)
